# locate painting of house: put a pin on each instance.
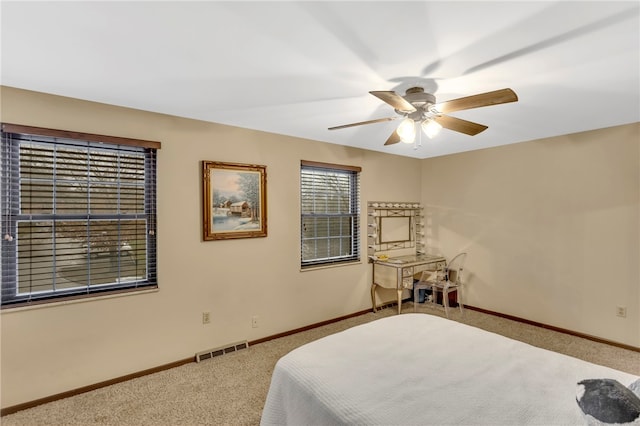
(241, 208)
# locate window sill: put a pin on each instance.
(41, 305)
(331, 265)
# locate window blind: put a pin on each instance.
(78, 217)
(330, 214)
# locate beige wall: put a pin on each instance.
(48, 350)
(551, 228)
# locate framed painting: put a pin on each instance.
(234, 200)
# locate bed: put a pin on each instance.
(418, 369)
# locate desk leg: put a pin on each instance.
(399, 301)
(373, 296)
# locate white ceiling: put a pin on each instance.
(299, 67)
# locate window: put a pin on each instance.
(330, 214)
(78, 214)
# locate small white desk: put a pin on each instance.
(398, 272)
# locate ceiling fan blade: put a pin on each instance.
(393, 139)
(395, 100)
(496, 97)
(459, 125)
(377, 120)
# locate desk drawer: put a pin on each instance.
(407, 282)
(385, 276)
(431, 266)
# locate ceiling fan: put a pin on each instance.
(416, 106)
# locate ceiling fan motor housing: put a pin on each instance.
(420, 100)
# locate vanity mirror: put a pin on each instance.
(394, 229)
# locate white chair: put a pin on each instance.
(449, 282)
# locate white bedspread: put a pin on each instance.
(419, 369)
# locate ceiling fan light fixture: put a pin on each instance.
(407, 130)
(431, 128)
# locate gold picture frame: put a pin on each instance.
(234, 200)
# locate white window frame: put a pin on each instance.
(329, 214)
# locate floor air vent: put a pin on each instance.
(211, 353)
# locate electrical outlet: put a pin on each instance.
(621, 311)
(254, 321)
(206, 317)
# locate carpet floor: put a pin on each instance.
(231, 389)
